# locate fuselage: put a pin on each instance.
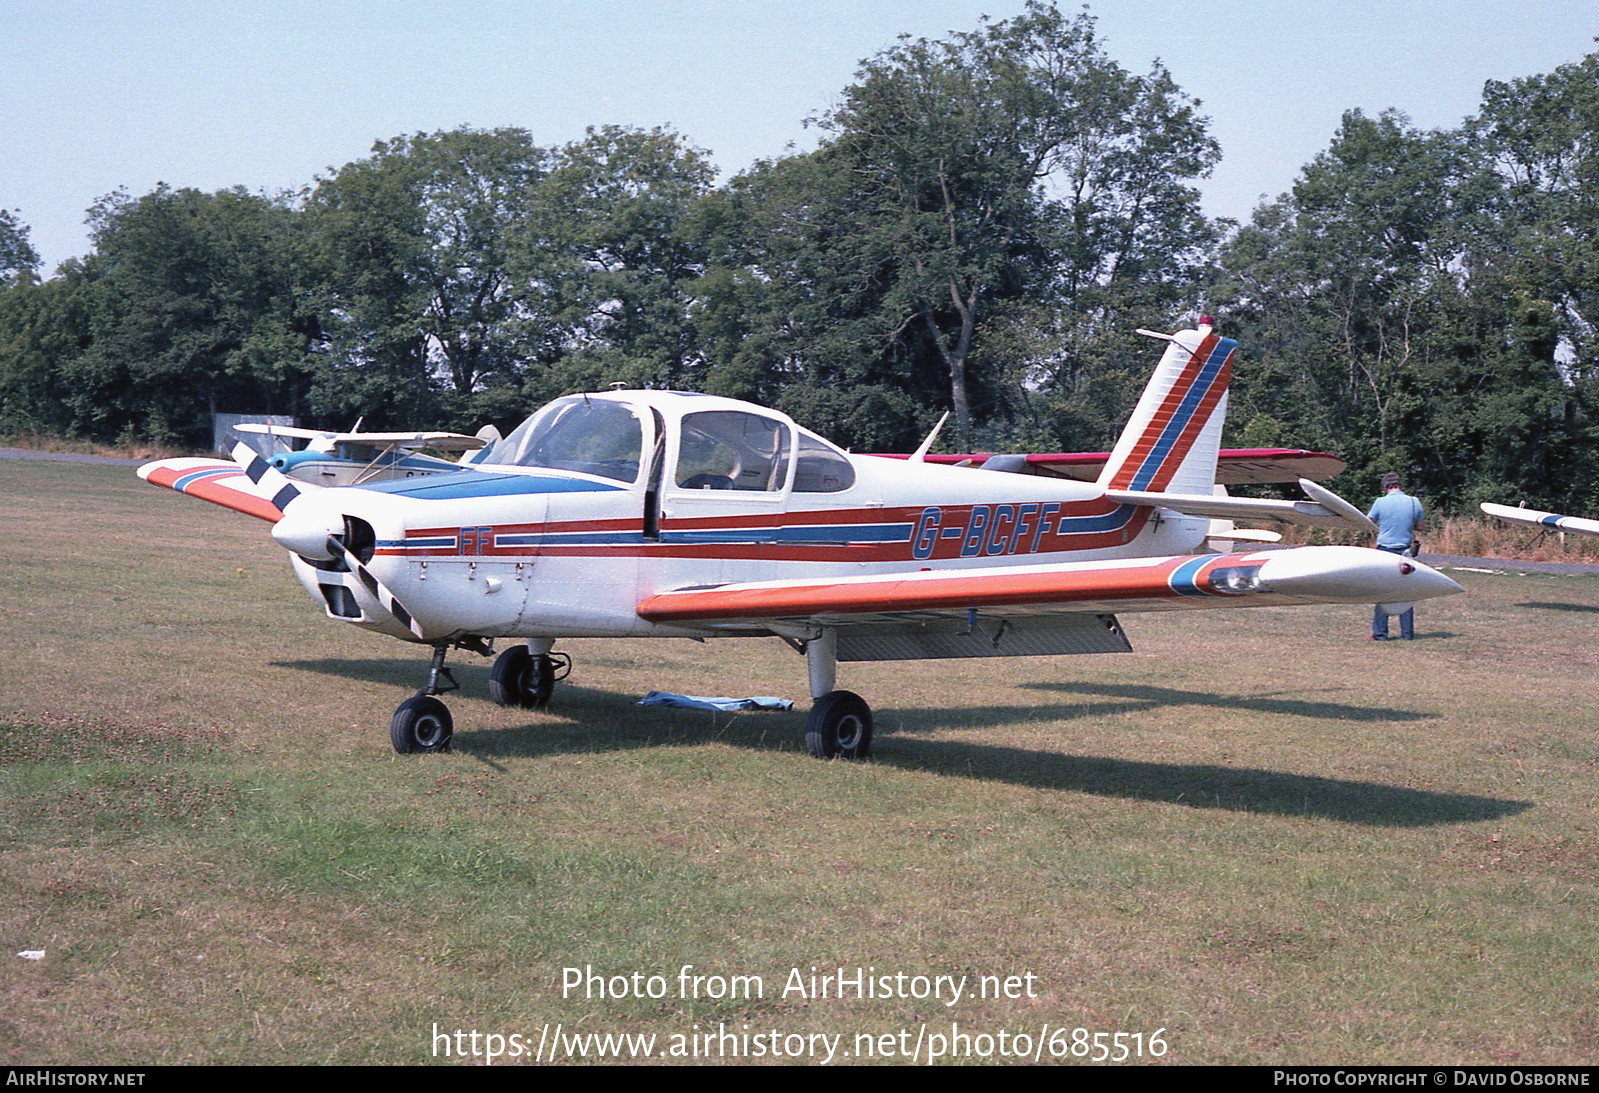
(601, 501)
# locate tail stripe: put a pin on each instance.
(1183, 412)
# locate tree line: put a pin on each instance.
(985, 221)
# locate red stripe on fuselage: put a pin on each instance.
(1023, 534)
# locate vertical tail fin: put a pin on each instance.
(1170, 443)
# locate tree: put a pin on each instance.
(1383, 325)
(1012, 170)
(411, 251)
(191, 308)
(18, 259)
(605, 264)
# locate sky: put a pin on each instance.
(270, 95)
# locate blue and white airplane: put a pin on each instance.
(354, 458)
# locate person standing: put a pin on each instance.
(1398, 517)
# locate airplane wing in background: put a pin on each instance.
(1033, 610)
(1234, 466)
(444, 442)
(1534, 518)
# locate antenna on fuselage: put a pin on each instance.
(927, 445)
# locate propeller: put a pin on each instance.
(308, 536)
(390, 602)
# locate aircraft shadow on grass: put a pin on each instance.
(1137, 696)
(591, 720)
(1581, 608)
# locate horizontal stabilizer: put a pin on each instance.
(1234, 466)
(1323, 509)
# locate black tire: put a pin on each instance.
(839, 727)
(422, 723)
(521, 679)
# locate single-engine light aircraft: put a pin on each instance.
(354, 458)
(1545, 520)
(667, 514)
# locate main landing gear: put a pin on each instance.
(522, 676)
(839, 725)
(840, 722)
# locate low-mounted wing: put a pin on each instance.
(248, 485)
(995, 604)
(1534, 518)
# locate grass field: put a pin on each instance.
(1259, 834)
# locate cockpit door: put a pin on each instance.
(728, 480)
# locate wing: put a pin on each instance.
(444, 442)
(248, 485)
(1234, 466)
(1022, 610)
(1534, 518)
(263, 429)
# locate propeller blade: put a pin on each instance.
(391, 603)
(272, 482)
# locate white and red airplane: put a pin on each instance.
(1545, 520)
(666, 514)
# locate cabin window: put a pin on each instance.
(821, 468)
(732, 450)
(591, 436)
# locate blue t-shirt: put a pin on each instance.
(1396, 515)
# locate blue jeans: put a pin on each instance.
(1379, 617)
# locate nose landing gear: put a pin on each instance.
(522, 676)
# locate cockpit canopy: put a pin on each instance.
(725, 446)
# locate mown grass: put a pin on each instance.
(1259, 832)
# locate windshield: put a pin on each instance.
(591, 436)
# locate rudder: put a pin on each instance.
(1169, 445)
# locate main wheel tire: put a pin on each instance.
(422, 723)
(839, 727)
(521, 679)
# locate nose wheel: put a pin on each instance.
(422, 723)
